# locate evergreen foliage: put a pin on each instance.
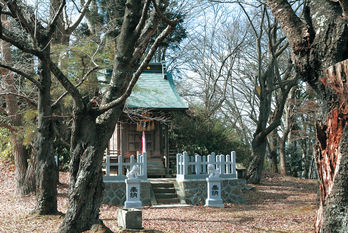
(194, 132)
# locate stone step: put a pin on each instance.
(155, 168)
(164, 190)
(162, 185)
(168, 201)
(163, 206)
(161, 196)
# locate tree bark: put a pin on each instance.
(272, 142)
(255, 169)
(289, 118)
(86, 184)
(318, 43)
(89, 138)
(282, 154)
(30, 176)
(21, 165)
(12, 108)
(46, 177)
(332, 155)
(94, 122)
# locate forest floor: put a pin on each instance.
(279, 204)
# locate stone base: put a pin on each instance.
(195, 192)
(214, 203)
(133, 205)
(129, 218)
(115, 193)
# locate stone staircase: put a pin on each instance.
(155, 168)
(165, 192)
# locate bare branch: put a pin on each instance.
(24, 75)
(293, 27)
(69, 87)
(74, 25)
(249, 19)
(279, 111)
(142, 20)
(19, 16)
(281, 49)
(7, 36)
(76, 86)
(147, 32)
(105, 107)
(171, 22)
(53, 24)
(223, 64)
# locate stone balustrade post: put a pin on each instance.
(198, 164)
(234, 164)
(185, 163)
(107, 165)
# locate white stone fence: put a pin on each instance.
(116, 171)
(195, 167)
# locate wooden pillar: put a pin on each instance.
(118, 138)
(166, 148)
(122, 138)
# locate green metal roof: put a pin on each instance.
(153, 91)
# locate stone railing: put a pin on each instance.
(116, 171)
(195, 167)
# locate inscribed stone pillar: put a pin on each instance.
(133, 194)
(214, 192)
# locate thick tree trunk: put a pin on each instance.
(95, 122)
(332, 155)
(254, 172)
(85, 176)
(46, 177)
(21, 165)
(306, 160)
(12, 108)
(89, 142)
(317, 43)
(274, 160)
(30, 176)
(272, 139)
(282, 154)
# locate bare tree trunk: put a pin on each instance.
(86, 184)
(317, 43)
(30, 176)
(21, 166)
(306, 162)
(282, 154)
(332, 156)
(272, 145)
(89, 135)
(46, 177)
(288, 125)
(255, 169)
(12, 108)
(89, 138)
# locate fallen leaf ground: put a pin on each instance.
(279, 204)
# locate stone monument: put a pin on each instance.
(133, 189)
(213, 188)
(130, 217)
